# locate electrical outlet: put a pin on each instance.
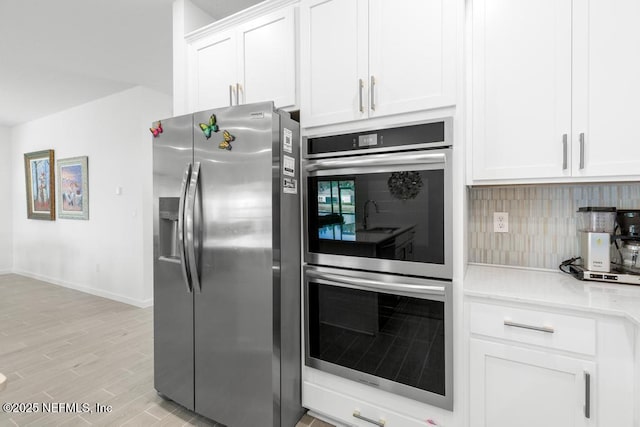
(501, 222)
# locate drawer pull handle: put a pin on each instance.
(373, 86)
(564, 151)
(546, 329)
(582, 151)
(380, 423)
(587, 394)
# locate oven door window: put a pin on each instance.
(391, 215)
(399, 338)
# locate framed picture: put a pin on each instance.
(73, 188)
(39, 174)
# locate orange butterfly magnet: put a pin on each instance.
(226, 144)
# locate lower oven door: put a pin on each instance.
(390, 332)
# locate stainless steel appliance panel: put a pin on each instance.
(233, 306)
(287, 330)
(173, 300)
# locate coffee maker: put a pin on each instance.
(595, 227)
(609, 246)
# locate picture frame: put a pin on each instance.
(40, 182)
(73, 188)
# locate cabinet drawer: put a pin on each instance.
(553, 330)
(342, 408)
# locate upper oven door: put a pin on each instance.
(386, 212)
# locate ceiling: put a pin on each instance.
(63, 53)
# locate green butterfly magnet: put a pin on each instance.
(207, 129)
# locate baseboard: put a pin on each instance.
(5, 272)
(98, 292)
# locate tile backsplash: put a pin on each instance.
(542, 220)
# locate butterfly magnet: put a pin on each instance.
(156, 130)
(226, 144)
(207, 129)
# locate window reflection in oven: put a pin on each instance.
(336, 209)
(391, 215)
(395, 337)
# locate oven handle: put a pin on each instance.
(386, 159)
(368, 283)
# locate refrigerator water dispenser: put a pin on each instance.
(168, 214)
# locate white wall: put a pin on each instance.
(6, 249)
(110, 254)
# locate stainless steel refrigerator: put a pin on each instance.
(227, 264)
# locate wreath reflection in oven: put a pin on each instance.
(405, 185)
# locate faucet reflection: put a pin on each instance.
(366, 213)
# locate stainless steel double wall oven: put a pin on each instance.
(377, 287)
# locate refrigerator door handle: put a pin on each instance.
(190, 227)
(181, 246)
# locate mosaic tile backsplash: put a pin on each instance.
(542, 220)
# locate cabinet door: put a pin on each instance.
(512, 386)
(333, 61)
(266, 60)
(607, 87)
(213, 72)
(411, 55)
(521, 89)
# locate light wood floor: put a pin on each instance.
(58, 345)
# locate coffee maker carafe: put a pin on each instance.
(626, 249)
(595, 227)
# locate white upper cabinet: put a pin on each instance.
(250, 62)
(367, 58)
(606, 71)
(554, 84)
(411, 55)
(521, 88)
(214, 73)
(333, 61)
(266, 60)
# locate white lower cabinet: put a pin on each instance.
(531, 367)
(512, 386)
(354, 412)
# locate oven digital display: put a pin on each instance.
(368, 140)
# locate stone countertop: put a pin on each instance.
(552, 289)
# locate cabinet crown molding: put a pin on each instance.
(245, 15)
